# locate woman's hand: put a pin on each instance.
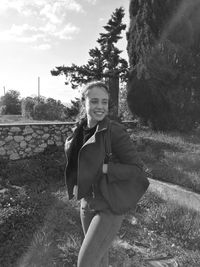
(105, 168)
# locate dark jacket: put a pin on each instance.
(91, 157)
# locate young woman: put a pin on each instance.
(85, 152)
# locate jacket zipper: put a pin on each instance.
(79, 160)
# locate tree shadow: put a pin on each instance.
(38, 226)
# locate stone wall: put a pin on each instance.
(25, 140)
(28, 139)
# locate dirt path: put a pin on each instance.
(176, 193)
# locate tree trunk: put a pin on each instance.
(113, 84)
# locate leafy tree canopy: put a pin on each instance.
(165, 62)
(45, 109)
(10, 103)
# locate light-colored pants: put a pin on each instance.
(100, 229)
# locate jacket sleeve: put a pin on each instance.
(125, 163)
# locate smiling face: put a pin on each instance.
(96, 105)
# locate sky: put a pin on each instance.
(38, 35)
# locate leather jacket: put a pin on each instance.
(92, 154)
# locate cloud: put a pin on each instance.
(21, 33)
(19, 30)
(74, 5)
(102, 19)
(56, 11)
(93, 2)
(67, 32)
(42, 47)
(46, 7)
(30, 34)
(11, 4)
(43, 21)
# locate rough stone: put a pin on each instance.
(14, 156)
(46, 129)
(38, 149)
(2, 151)
(9, 152)
(11, 145)
(32, 145)
(65, 130)
(2, 143)
(57, 138)
(40, 132)
(28, 130)
(44, 145)
(45, 136)
(9, 138)
(18, 138)
(50, 142)
(28, 138)
(15, 129)
(23, 144)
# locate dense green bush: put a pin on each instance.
(164, 79)
(10, 104)
(28, 107)
(44, 109)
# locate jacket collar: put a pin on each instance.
(102, 125)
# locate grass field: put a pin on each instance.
(171, 157)
(12, 119)
(40, 227)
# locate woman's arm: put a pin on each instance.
(127, 163)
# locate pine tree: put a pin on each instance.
(78, 75)
(163, 48)
(104, 62)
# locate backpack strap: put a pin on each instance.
(108, 149)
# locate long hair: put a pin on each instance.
(84, 92)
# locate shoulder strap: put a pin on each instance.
(108, 149)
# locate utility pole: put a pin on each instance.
(38, 88)
(4, 90)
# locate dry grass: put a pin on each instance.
(171, 157)
(13, 119)
(40, 227)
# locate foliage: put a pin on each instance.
(28, 107)
(171, 157)
(44, 109)
(40, 227)
(114, 65)
(164, 79)
(74, 109)
(173, 220)
(78, 75)
(49, 109)
(10, 103)
(104, 62)
(124, 111)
